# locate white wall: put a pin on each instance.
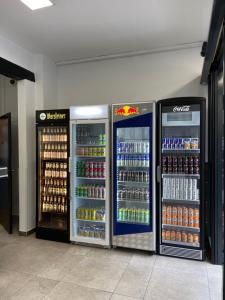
(9, 103)
(138, 78)
(31, 96)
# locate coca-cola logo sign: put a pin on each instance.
(181, 108)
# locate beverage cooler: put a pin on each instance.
(90, 169)
(180, 176)
(133, 176)
(52, 128)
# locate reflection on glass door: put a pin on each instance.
(133, 175)
(180, 182)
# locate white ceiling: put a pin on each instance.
(79, 29)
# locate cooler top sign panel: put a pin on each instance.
(89, 112)
(129, 110)
(52, 116)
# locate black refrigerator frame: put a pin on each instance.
(187, 250)
(53, 118)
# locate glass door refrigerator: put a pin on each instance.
(52, 129)
(90, 175)
(180, 176)
(134, 176)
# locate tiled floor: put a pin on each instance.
(37, 269)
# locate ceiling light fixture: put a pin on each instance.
(36, 4)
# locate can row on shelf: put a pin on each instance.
(180, 143)
(90, 151)
(91, 169)
(136, 146)
(181, 236)
(133, 194)
(133, 176)
(180, 215)
(91, 191)
(91, 231)
(124, 160)
(180, 189)
(92, 214)
(133, 215)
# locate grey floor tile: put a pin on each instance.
(99, 273)
(135, 279)
(70, 291)
(121, 297)
(35, 289)
(215, 281)
(111, 254)
(11, 282)
(173, 284)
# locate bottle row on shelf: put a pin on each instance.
(54, 190)
(91, 191)
(55, 170)
(54, 135)
(180, 216)
(133, 194)
(133, 160)
(85, 136)
(90, 151)
(133, 176)
(181, 236)
(180, 189)
(57, 183)
(91, 231)
(180, 143)
(91, 169)
(55, 204)
(54, 151)
(180, 164)
(91, 214)
(135, 146)
(135, 215)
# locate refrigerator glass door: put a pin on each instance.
(90, 199)
(180, 183)
(132, 174)
(52, 177)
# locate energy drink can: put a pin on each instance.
(172, 235)
(168, 235)
(184, 237)
(181, 188)
(174, 215)
(164, 214)
(190, 217)
(163, 234)
(168, 214)
(177, 188)
(196, 218)
(178, 236)
(179, 216)
(190, 238)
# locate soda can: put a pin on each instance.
(185, 161)
(190, 170)
(164, 161)
(95, 171)
(175, 170)
(180, 170)
(168, 214)
(184, 237)
(178, 236)
(180, 161)
(191, 217)
(190, 238)
(169, 161)
(164, 170)
(174, 215)
(189, 189)
(186, 169)
(196, 161)
(190, 161)
(177, 188)
(164, 214)
(196, 218)
(170, 170)
(172, 188)
(87, 172)
(179, 216)
(185, 189)
(163, 234)
(196, 170)
(172, 235)
(168, 235)
(194, 189)
(196, 238)
(185, 216)
(175, 161)
(181, 188)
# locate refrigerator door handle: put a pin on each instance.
(158, 174)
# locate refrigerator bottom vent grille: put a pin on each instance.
(181, 252)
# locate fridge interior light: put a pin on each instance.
(36, 4)
(86, 112)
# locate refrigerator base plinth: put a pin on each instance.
(181, 252)
(141, 241)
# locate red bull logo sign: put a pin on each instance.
(127, 111)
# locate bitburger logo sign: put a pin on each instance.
(181, 108)
(52, 116)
